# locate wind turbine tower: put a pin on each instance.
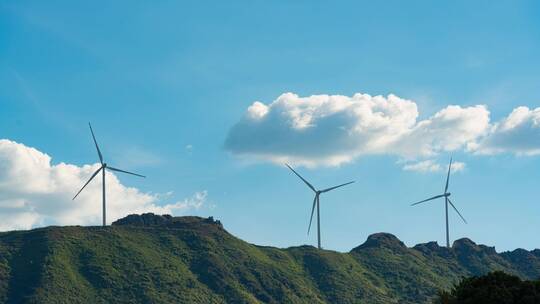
(316, 201)
(104, 166)
(447, 201)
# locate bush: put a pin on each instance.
(495, 287)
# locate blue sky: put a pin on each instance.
(165, 84)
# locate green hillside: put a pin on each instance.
(161, 259)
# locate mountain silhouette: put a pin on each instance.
(163, 259)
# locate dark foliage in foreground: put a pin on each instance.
(494, 288)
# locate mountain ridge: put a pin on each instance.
(163, 259)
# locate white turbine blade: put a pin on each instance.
(118, 170)
(429, 199)
(332, 188)
(305, 181)
(92, 177)
(312, 210)
(95, 142)
(457, 211)
(448, 176)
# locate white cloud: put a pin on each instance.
(427, 166)
(518, 133)
(451, 129)
(34, 192)
(194, 202)
(458, 167)
(331, 130)
(423, 166)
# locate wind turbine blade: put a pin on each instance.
(95, 142)
(92, 177)
(332, 188)
(312, 210)
(118, 170)
(429, 199)
(457, 211)
(448, 176)
(305, 181)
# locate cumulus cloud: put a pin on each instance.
(451, 129)
(423, 166)
(458, 166)
(429, 165)
(196, 201)
(518, 133)
(34, 192)
(332, 129)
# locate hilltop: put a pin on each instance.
(163, 259)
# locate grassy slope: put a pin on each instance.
(202, 263)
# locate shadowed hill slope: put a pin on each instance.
(163, 259)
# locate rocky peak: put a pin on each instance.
(145, 219)
(166, 220)
(382, 240)
(467, 246)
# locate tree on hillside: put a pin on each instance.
(495, 287)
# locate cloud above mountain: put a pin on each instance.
(430, 165)
(518, 133)
(35, 192)
(331, 130)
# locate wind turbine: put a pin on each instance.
(316, 202)
(103, 167)
(447, 201)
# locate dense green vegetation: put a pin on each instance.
(494, 288)
(155, 259)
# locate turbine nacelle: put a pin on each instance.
(447, 194)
